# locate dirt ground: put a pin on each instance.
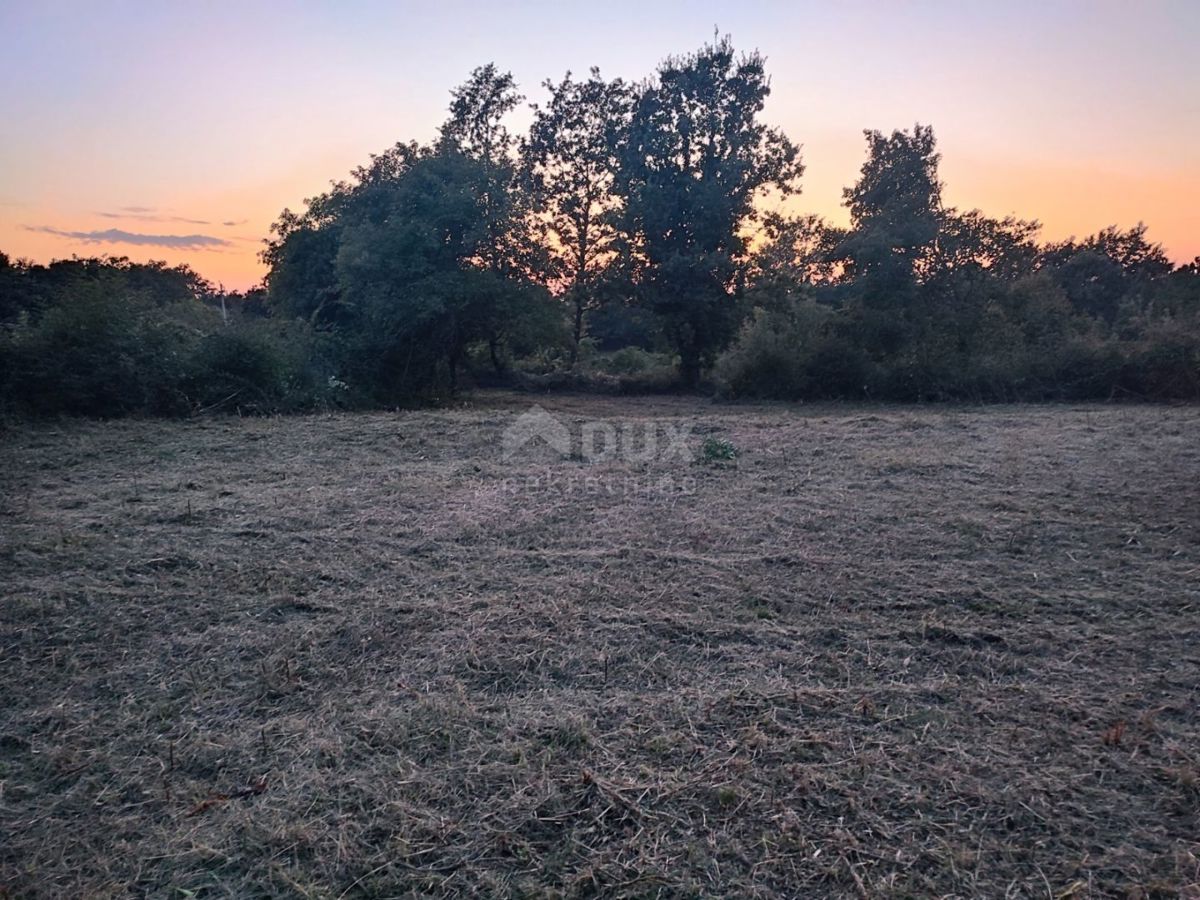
(897, 652)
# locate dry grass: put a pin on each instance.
(887, 652)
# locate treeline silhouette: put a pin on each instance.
(631, 240)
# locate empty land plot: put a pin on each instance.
(885, 652)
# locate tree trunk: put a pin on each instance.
(577, 334)
(689, 367)
(494, 352)
(454, 358)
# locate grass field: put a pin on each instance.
(883, 652)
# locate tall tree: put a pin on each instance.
(569, 163)
(477, 111)
(412, 278)
(695, 159)
(974, 255)
(301, 255)
(895, 210)
(476, 130)
(510, 250)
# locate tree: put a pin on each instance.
(509, 248)
(476, 131)
(477, 110)
(793, 254)
(569, 164)
(412, 278)
(302, 278)
(972, 260)
(421, 253)
(895, 212)
(695, 158)
(1106, 269)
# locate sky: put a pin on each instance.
(178, 132)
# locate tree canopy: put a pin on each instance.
(694, 160)
(637, 235)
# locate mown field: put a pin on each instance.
(888, 652)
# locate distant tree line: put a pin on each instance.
(626, 242)
(110, 337)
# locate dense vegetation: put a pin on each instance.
(623, 243)
(110, 337)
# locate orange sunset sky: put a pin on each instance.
(173, 132)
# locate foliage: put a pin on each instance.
(616, 325)
(569, 164)
(107, 344)
(695, 159)
(716, 449)
(259, 367)
(632, 229)
(627, 361)
(776, 353)
(424, 253)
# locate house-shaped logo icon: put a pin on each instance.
(536, 424)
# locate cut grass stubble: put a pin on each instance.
(890, 652)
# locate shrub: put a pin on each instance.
(1165, 362)
(258, 367)
(630, 370)
(717, 450)
(100, 353)
(629, 361)
(663, 379)
(1087, 367)
(774, 353)
(615, 325)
